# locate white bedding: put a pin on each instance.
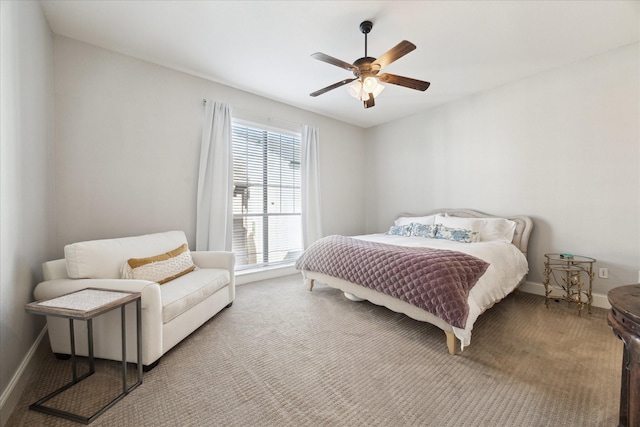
(507, 268)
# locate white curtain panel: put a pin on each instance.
(214, 216)
(310, 183)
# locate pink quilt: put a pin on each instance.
(435, 280)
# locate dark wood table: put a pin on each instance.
(624, 319)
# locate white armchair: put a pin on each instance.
(170, 312)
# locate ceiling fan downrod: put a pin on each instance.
(365, 28)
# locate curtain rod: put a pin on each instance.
(269, 118)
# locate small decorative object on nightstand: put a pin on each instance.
(85, 305)
(571, 268)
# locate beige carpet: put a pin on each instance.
(284, 356)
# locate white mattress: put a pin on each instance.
(507, 268)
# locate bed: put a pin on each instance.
(445, 267)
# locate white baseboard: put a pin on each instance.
(11, 395)
(599, 300)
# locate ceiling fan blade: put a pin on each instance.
(395, 53)
(333, 86)
(334, 61)
(369, 102)
(404, 81)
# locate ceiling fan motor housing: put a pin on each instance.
(365, 67)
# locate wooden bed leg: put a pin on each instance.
(310, 285)
(451, 342)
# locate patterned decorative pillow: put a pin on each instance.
(160, 268)
(424, 230)
(400, 230)
(457, 234)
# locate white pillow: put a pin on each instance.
(489, 228)
(471, 224)
(406, 220)
(497, 229)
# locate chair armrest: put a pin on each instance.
(218, 259)
(214, 259)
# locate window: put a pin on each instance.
(267, 227)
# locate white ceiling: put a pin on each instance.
(264, 47)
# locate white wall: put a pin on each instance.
(128, 135)
(562, 147)
(26, 183)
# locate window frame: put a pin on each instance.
(265, 216)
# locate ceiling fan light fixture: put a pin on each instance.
(378, 87)
(361, 90)
(356, 90)
(370, 84)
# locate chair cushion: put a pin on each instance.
(180, 294)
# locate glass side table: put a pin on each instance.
(85, 305)
(572, 288)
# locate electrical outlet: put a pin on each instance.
(603, 273)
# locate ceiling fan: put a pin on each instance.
(366, 86)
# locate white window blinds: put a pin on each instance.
(266, 196)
